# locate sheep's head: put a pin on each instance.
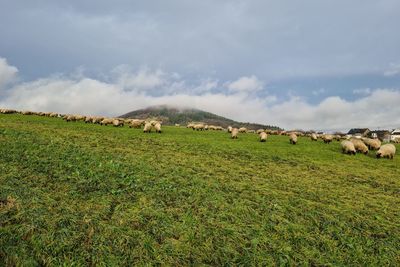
(378, 155)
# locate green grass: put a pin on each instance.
(93, 195)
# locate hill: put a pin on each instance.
(172, 115)
(77, 194)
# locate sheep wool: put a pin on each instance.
(263, 136)
(147, 127)
(293, 138)
(348, 147)
(386, 151)
(359, 145)
(234, 133)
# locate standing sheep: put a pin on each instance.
(147, 127)
(234, 133)
(263, 136)
(242, 130)
(157, 127)
(348, 147)
(327, 138)
(230, 129)
(293, 138)
(359, 145)
(386, 151)
(313, 137)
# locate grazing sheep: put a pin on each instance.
(157, 127)
(118, 123)
(177, 125)
(251, 131)
(327, 138)
(263, 136)
(234, 133)
(313, 137)
(242, 130)
(386, 151)
(198, 127)
(97, 120)
(147, 127)
(293, 138)
(106, 121)
(359, 145)
(372, 144)
(69, 118)
(136, 123)
(230, 129)
(348, 147)
(88, 119)
(259, 131)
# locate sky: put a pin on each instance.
(312, 64)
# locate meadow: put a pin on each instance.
(83, 194)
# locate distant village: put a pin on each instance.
(383, 135)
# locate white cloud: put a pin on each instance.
(319, 91)
(7, 73)
(144, 79)
(244, 84)
(362, 91)
(393, 70)
(80, 94)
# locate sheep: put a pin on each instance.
(118, 123)
(372, 144)
(348, 147)
(260, 131)
(263, 136)
(327, 138)
(251, 131)
(88, 119)
(198, 127)
(97, 120)
(136, 123)
(293, 138)
(69, 118)
(177, 125)
(147, 127)
(219, 128)
(313, 137)
(359, 145)
(242, 130)
(157, 127)
(386, 151)
(234, 133)
(106, 121)
(80, 118)
(230, 129)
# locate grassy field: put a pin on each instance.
(84, 194)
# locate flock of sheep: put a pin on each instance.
(350, 145)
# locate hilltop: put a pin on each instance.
(172, 115)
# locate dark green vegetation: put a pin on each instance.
(75, 193)
(172, 116)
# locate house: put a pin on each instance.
(383, 135)
(359, 132)
(395, 136)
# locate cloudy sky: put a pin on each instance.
(308, 64)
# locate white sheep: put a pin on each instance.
(234, 133)
(293, 138)
(348, 147)
(157, 127)
(263, 136)
(147, 127)
(386, 151)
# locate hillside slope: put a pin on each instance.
(172, 115)
(81, 194)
